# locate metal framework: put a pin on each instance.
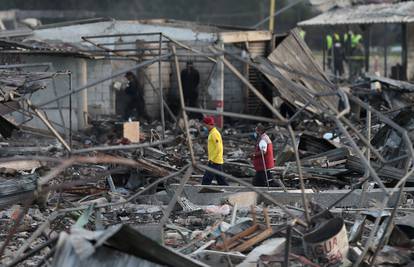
(332, 114)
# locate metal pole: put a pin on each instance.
(177, 194)
(388, 227)
(272, 18)
(188, 48)
(161, 89)
(234, 115)
(333, 56)
(367, 43)
(277, 13)
(385, 52)
(82, 99)
(288, 244)
(404, 52)
(158, 93)
(49, 126)
(60, 108)
(253, 89)
(369, 122)
(301, 180)
(361, 155)
(119, 35)
(180, 88)
(12, 66)
(70, 109)
(220, 86)
(265, 169)
(324, 50)
(123, 147)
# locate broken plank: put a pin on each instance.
(238, 236)
(20, 165)
(251, 242)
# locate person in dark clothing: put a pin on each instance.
(338, 51)
(135, 103)
(190, 79)
(287, 110)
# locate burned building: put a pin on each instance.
(90, 58)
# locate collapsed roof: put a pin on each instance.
(14, 83)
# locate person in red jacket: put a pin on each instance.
(262, 158)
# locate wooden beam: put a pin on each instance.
(231, 240)
(251, 242)
(246, 36)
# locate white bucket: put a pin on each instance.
(328, 244)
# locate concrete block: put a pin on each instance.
(243, 199)
(218, 194)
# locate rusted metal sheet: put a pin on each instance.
(9, 107)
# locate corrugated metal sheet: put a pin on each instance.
(15, 33)
(256, 49)
(117, 246)
(298, 89)
(365, 14)
(44, 47)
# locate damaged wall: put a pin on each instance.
(100, 99)
(234, 92)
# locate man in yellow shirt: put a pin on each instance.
(215, 153)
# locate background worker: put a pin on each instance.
(215, 153)
(135, 99)
(357, 60)
(338, 55)
(329, 44)
(263, 158)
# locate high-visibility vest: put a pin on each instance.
(302, 34)
(355, 39)
(329, 41)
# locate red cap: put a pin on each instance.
(208, 120)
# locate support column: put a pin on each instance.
(272, 18)
(404, 54)
(161, 89)
(220, 87)
(82, 96)
(385, 52)
(367, 45)
(324, 50)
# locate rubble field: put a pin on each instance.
(341, 193)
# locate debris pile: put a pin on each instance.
(341, 192)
